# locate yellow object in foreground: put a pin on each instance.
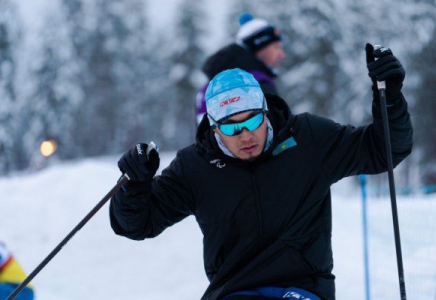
(12, 272)
(10, 269)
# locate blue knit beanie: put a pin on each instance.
(232, 92)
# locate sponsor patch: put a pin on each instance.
(228, 101)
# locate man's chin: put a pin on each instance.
(248, 156)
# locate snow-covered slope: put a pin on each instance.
(37, 211)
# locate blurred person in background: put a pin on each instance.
(11, 275)
(257, 50)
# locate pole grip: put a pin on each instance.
(381, 85)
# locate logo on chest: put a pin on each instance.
(218, 163)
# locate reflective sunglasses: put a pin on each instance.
(232, 129)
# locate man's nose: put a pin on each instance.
(245, 135)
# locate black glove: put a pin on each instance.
(138, 165)
(386, 68)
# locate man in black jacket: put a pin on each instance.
(258, 182)
(257, 50)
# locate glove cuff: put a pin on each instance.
(391, 98)
(393, 94)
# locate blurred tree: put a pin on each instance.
(425, 110)
(108, 40)
(185, 75)
(53, 97)
(10, 36)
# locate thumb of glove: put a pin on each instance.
(369, 53)
(153, 159)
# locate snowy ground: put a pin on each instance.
(38, 210)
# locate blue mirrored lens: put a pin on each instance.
(236, 128)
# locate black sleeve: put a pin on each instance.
(348, 150)
(144, 210)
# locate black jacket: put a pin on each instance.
(265, 222)
(235, 56)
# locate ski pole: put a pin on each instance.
(122, 181)
(381, 85)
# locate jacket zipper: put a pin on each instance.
(257, 200)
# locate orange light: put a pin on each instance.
(47, 148)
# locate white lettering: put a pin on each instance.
(139, 149)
